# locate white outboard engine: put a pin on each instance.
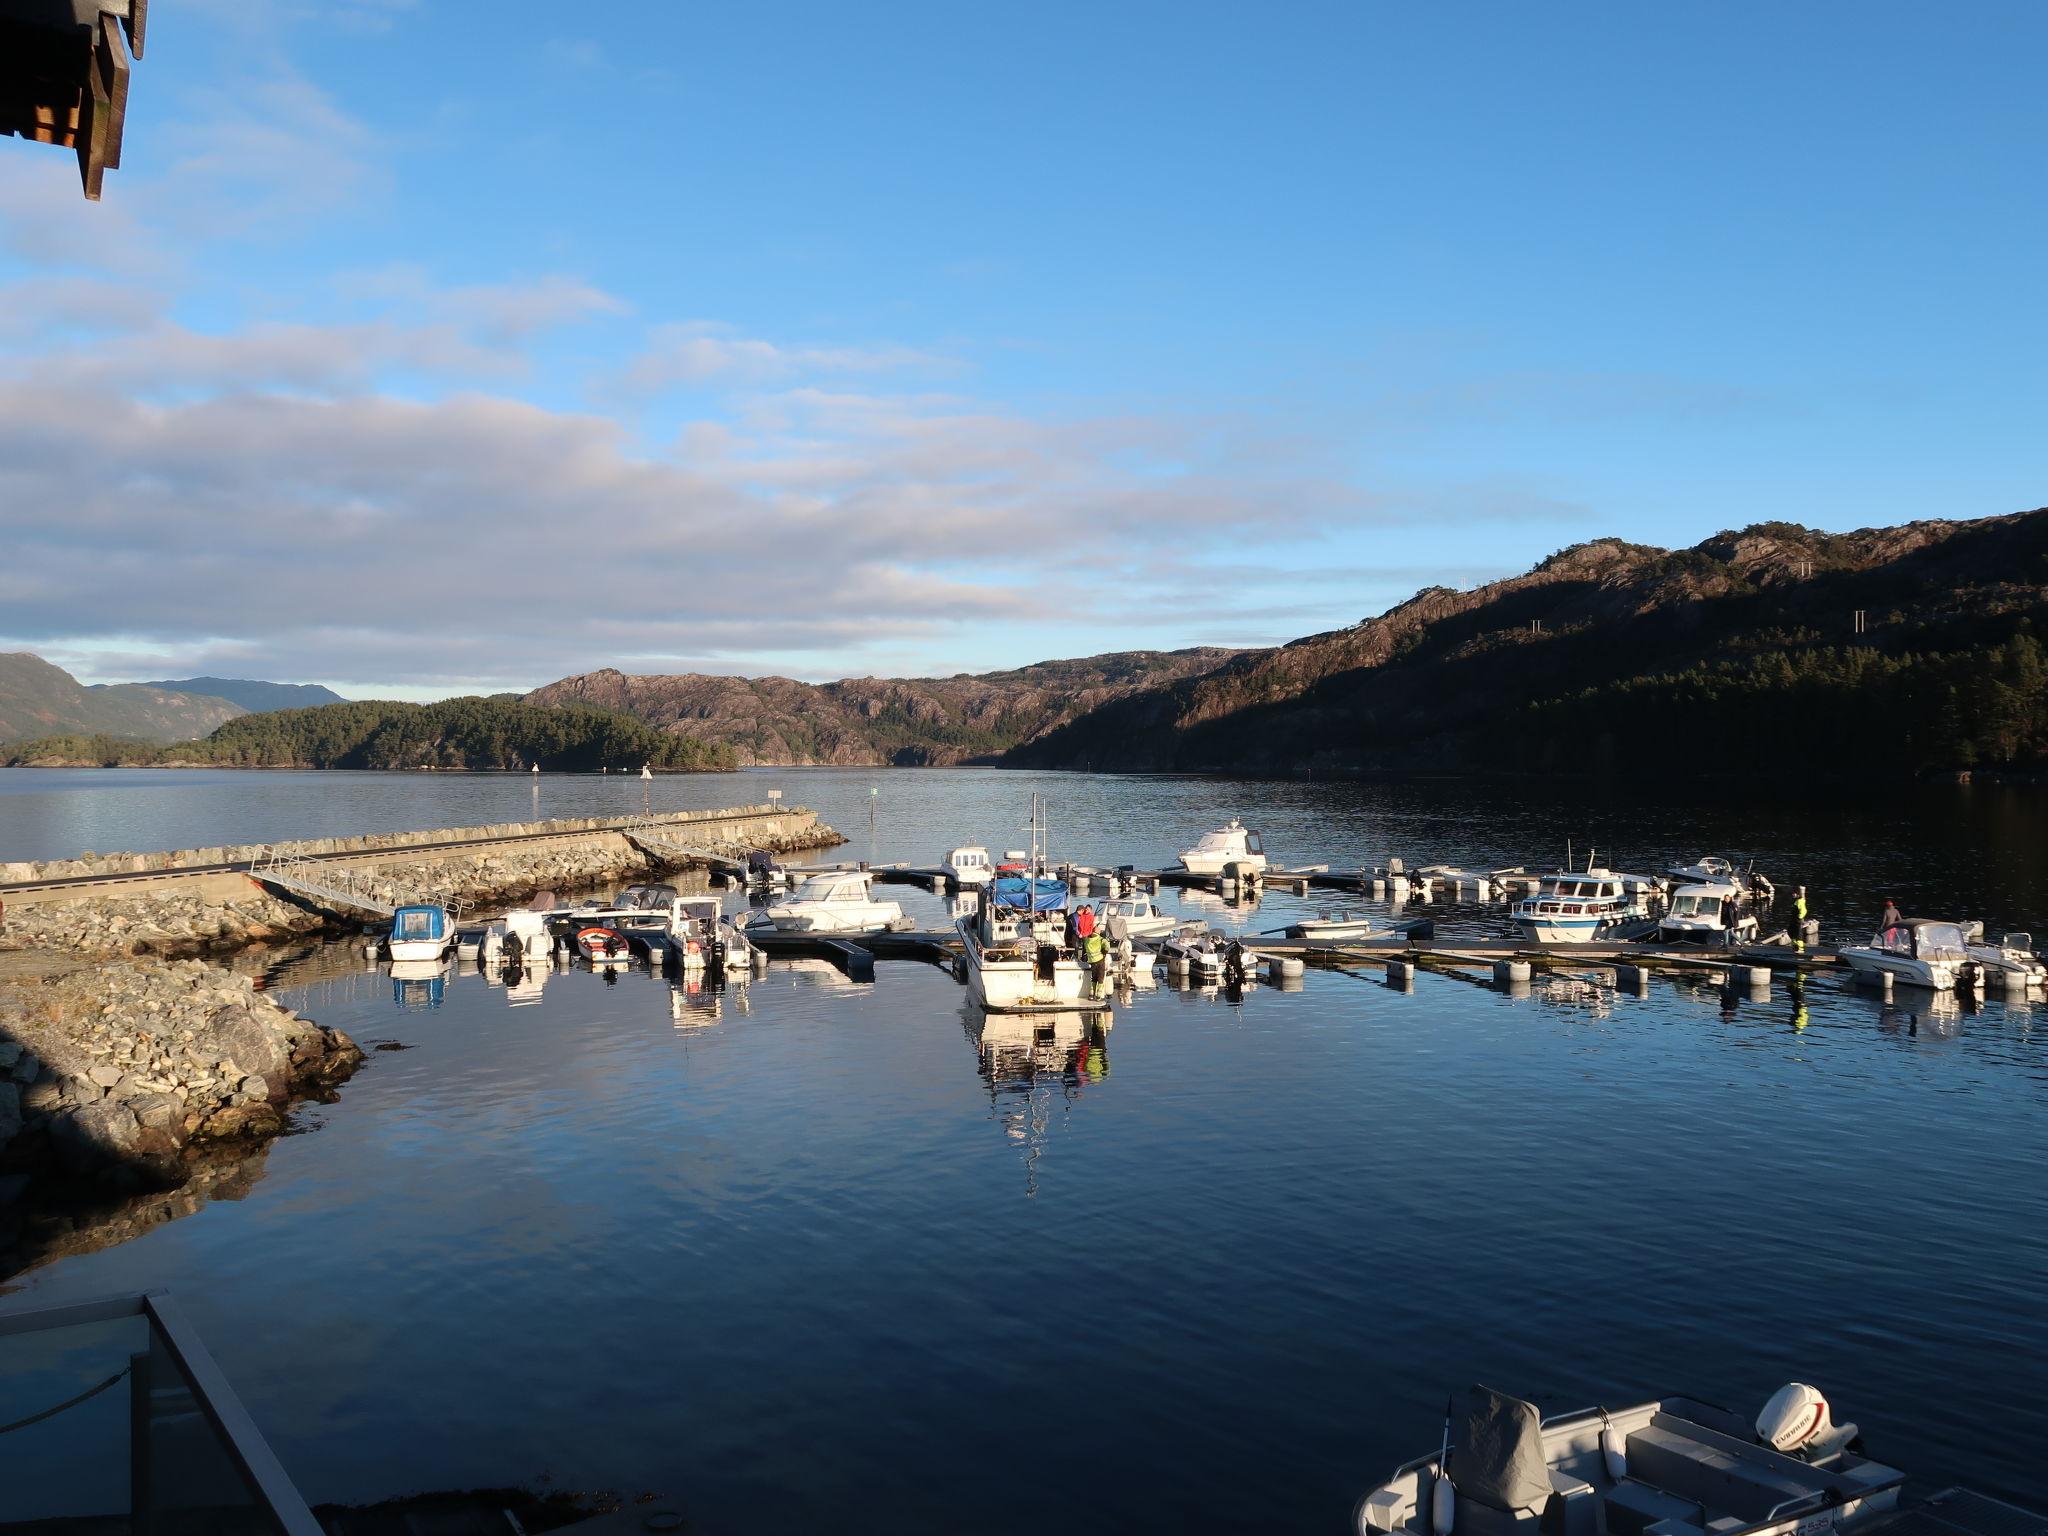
(1796, 1421)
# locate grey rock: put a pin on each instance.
(105, 1075)
(255, 1087)
(25, 1070)
(10, 1053)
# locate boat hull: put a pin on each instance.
(1216, 863)
(1936, 976)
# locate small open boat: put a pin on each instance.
(603, 946)
(1334, 927)
(1672, 1467)
(422, 932)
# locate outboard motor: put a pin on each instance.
(1797, 1422)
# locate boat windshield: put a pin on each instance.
(418, 923)
(1217, 842)
(832, 888)
(1696, 906)
(1939, 941)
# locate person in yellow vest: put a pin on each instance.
(1095, 955)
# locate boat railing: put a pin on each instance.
(185, 1455)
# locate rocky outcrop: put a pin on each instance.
(114, 1071)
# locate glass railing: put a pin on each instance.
(114, 1419)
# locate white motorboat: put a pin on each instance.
(1707, 914)
(1574, 907)
(1220, 849)
(420, 933)
(1142, 919)
(1480, 882)
(1709, 870)
(1671, 1466)
(1922, 951)
(969, 866)
(2011, 962)
(838, 901)
(520, 935)
(1334, 927)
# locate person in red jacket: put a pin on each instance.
(1084, 922)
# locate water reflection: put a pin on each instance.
(1037, 1065)
(417, 986)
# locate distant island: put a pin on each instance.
(473, 733)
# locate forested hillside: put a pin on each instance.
(1883, 653)
(456, 733)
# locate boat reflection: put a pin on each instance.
(418, 986)
(1036, 1064)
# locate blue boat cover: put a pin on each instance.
(1021, 895)
(419, 923)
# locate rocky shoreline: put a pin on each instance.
(112, 1071)
(133, 1063)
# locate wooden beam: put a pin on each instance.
(136, 21)
(117, 61)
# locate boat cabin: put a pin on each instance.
(1229, 842)
(838, 885)
(1704, 904)
(1022, 911)
(413, 925)
(1921, 938)
(970, 866)
(1594, 890)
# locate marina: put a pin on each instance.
(668, 1136)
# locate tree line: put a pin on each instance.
(473, 733)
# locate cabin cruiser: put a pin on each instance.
(1712, 869)
(1672, 1467)
(969, 866)
(2012, 958)
(420, 932)
(1218, 850)
(1018, 956)
(522, 935)
(705, 939)
(838, 901)
(1142, 919)
(1707, 914)
(1919, 950)
(1574, 908)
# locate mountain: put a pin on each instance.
(254, 696)
(904, 721)
(1742, 654)
(37, 699)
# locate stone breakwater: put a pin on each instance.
(110, 1074)
(186, 914)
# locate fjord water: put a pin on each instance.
(830, 1254)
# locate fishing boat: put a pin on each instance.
(1218, 850)
(1017, 953)
(838, 901)
(2011, 961)
(1207, 955)
(1711, 869)
(1672, 1467)
(1019, 957)
(603, 947)
(420, 932)
(1922, 951)
(1707, 914)
(1142, 919)
(969, 866)
(1574, 907)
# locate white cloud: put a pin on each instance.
(699, 352)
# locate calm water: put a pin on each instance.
(839, 1254)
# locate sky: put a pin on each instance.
(422, 347)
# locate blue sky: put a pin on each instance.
(426, 347)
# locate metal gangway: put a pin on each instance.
(655, 836)
(332, 884)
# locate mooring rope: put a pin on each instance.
(51, 1413)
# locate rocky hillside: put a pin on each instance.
(1739, 653)
(904, 721)
(254, 696)
(37, 699)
